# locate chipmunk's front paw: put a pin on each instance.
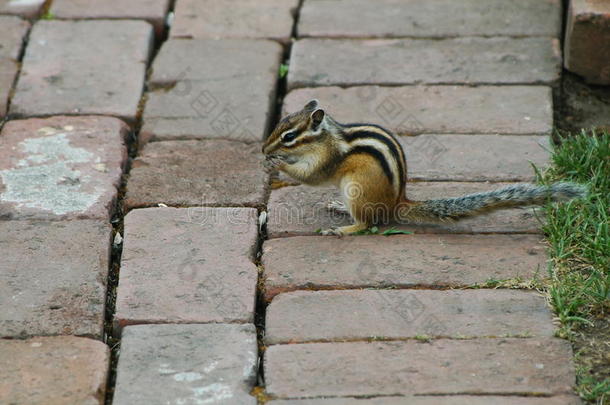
(332, 232)
(337, 206)
(272, 163)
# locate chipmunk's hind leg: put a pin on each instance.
(341, 208)
(369, 198)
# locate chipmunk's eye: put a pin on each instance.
(289, 136)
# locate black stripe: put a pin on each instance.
(389, 141)
(369, 150)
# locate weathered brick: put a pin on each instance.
(102, 68)
(308, 316)
(475, 158)
(437, 400)
(540, 366)
(424, 18)
(28, 9)
(187, 364)
(214, 19)
(8, 74)
(188, 265)
(212, 93)
(53, 370)
(153, 11)
(325, 62)
(411, 110)
(61, 167)
(194, 173)
(587, 41)
(301, 210)
(401, 261)
(12, 32)
(53, 277)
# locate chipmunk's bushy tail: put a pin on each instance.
(517, 195)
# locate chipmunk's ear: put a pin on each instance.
(312, 105)
(316, 118)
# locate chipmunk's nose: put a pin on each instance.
(266, 149)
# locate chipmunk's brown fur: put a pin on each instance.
(368, 165)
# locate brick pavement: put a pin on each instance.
(187, 364)
(63, 58)
(161, 250)
(13, 30)
(153, 11)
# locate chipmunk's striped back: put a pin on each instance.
(382, 146)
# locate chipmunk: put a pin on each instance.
(367, 163)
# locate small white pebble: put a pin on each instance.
(36, 344)
(170, 19)
(539, 366)
(162, 205)
(262, 220)
(527, 118)
(118, 239)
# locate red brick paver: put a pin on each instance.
(475, 158)
(83, 67)
(409, 110)
(187, 364)
(153, 11)
(301, 210)
(25, 8)
(61, 167)
(326, 62)
(196, 173)
(53, 370)
(12, 34)
(425, 18)
(215, 19)
(212, 93)
(587, 42)
(53, 277)
(8, 74)
(437, 400)
(188, 265)
(306, 316)
(538, 366)
(399, 261)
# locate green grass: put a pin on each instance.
(47, 16)
(579, 236)
(283, 71)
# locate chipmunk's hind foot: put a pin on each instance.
(345, 230)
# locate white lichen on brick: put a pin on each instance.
(210, 394)
(46, 178)
(188, 376)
